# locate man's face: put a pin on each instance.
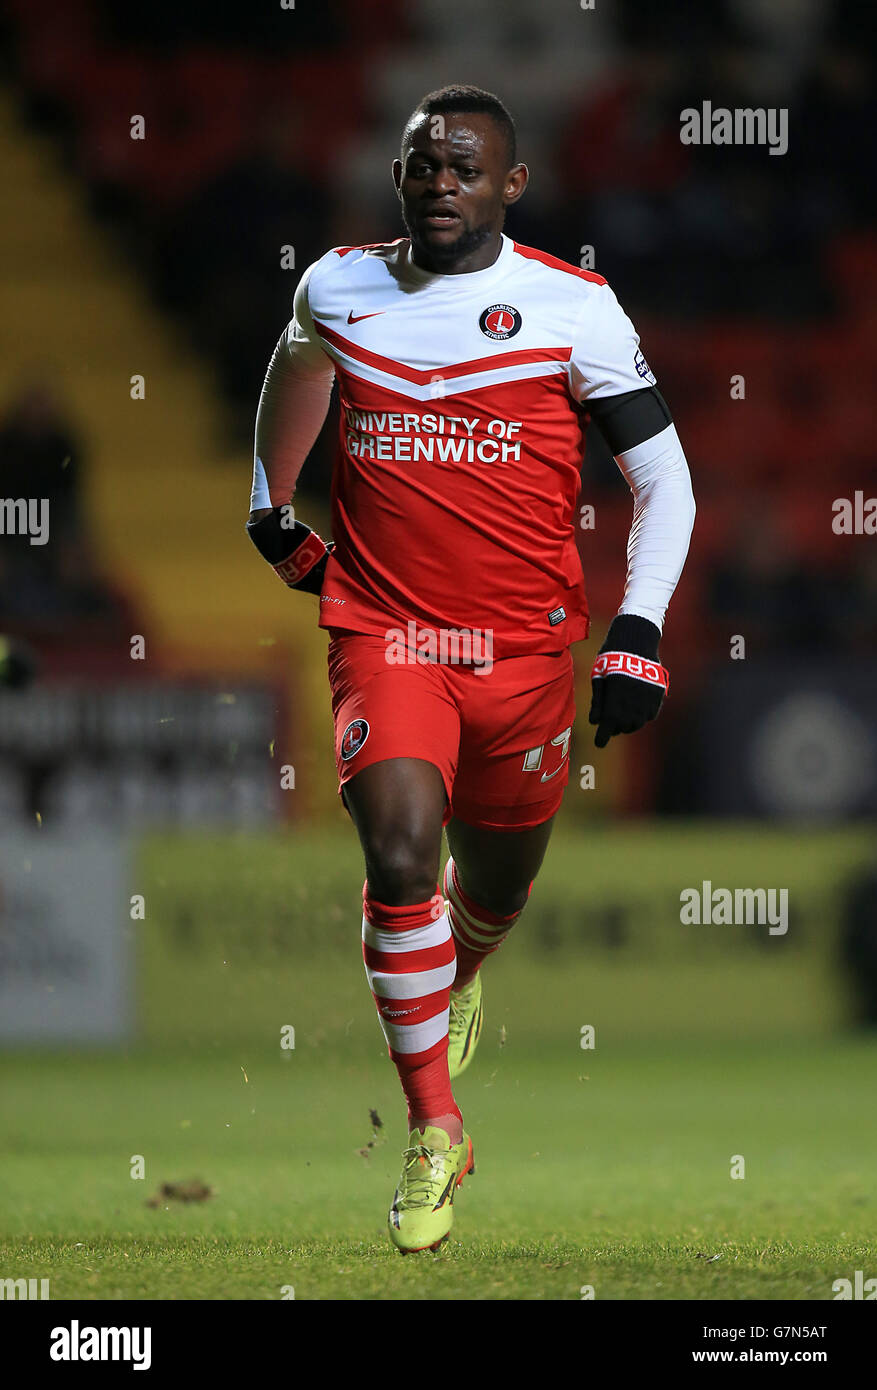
(455, 184)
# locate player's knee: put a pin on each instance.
(510, 902)
(503, 899)
(401, 867)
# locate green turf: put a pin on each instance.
(607, 1168)
(592, 1169)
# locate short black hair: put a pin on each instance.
(463, 98)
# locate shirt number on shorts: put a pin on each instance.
(533, 759)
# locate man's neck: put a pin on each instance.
(482, 258)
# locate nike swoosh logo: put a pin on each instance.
(448, 1192)
(357, 318)
(547, 776)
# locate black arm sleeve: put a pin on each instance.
(629, 419)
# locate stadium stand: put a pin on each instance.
(258, 137)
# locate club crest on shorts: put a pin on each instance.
(353, 738)
(500, 321)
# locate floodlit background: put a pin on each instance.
(178, 882)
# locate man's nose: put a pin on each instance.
(441, 183)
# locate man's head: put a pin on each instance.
(457, 174)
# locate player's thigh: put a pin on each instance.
(398, 809)
(397, 734)
(497, 867)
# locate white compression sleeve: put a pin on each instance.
(663, 517)
(292, 408)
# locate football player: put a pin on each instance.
(467, 366)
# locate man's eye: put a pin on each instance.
(470, 173)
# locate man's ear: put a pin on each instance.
(397, 176)
(516, 183)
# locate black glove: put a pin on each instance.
(628, 681)
(295, 553)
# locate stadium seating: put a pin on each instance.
(802, 436)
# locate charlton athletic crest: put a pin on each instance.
(353, 738)
(499, 322)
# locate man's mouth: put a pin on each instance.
(440, 217)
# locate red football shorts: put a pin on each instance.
(499, 736)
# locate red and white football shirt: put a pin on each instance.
(454, 496)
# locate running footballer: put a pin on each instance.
(467, 366)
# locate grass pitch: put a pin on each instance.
(606, 1169)
(611, 1172)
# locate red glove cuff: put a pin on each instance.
(626, 664)
(302, 560)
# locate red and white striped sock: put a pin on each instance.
(410, 962)
(477, 932)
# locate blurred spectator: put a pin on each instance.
(732, 262)
(779, 600)
(663, 216)
(17, 664)
(40, 459)
(218, 257)
(854, 601)
(858, 944)
(254, 26)
(831, 152)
